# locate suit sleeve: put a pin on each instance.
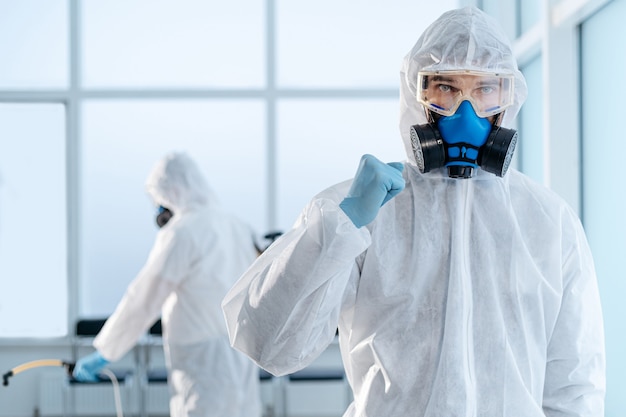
(575, 369)
(141, 304)
(283, 312)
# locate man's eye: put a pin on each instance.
(487, 90)
(445, 88)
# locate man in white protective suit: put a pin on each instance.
(199, 253)
(458, 288)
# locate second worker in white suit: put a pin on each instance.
(198, 254)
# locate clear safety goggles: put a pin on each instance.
(443, 91)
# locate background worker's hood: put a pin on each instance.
(177, 183)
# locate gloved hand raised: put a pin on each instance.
(375, 183)
(88, 367)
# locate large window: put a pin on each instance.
(530, 120)
(183, 43)
(33, 241)
(34, 37)
(33, 193)
(275, 99)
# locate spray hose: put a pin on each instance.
(70, 368)
(35, 364)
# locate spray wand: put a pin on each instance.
(36, 364)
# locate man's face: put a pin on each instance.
(443, 92)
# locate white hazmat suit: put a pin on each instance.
(464, 297)
(196, 258)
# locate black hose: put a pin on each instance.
(5, 378)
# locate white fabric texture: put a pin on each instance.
(196, 258)
(474, 297)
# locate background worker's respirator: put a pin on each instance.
(163, 216)
(462, 142)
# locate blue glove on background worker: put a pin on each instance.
(87, 368)
(375, 183)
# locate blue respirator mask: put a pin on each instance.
(460, 135)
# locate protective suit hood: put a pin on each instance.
(462, 39)
(177, 183)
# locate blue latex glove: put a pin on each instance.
(375, 183)
(88, 367)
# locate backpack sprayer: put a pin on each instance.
(69, 366)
